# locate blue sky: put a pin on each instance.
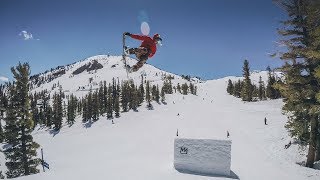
(205, 38)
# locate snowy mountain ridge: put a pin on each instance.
(112, 67)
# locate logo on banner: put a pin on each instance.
(183, 150)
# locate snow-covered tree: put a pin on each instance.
(247, 89)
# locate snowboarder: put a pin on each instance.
(265, 121)
(146, 50)
(228, 134)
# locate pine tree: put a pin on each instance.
(255, 92)
(163, 96)
(125, 96)
(179, 88)
(95, 106)
(64, 109)
(89, 106)
(148, 96)
(71, 110)
(57, 111)
(109, 103)
(270, 90)
(85, 110)
(22, 152)
(2, 109)
(261, 90)
(237, 89)
(167, 86)
(301, 86)
(141, 92)
(117, 101)
(247, 89)
(230, 87)
(34, 108)
(191, 87)
(105, 97)
(130, 95)
(170, 91)
(157, 96)
(153, 92)
(41, 117)
(114, 91)
(49, 116)
(184, 88)
(79, 107)
(101, 99)
(134, 100)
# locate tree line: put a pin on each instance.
(248, 91)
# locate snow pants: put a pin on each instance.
(142, 54)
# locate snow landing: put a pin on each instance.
(202, 156)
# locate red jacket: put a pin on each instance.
(147, 42)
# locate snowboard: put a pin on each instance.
(128, 68)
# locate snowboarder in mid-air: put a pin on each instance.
(146, 50)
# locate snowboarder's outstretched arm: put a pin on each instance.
(136, 36)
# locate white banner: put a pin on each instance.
(202, 156)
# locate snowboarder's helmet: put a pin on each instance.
(157, 38)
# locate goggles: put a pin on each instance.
(159, 41)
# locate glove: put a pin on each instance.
(127, 34)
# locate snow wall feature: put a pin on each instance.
(202, 156)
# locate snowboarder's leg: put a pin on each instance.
(139, 64)
(130, 51)
(142, 54)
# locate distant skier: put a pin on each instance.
(146, 50)
(265, 121)
(287, 145)
(228, 134)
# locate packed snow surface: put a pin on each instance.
(139, 145)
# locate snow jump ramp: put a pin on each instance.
(203, 156)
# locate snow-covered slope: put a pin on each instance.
(113, 67)
(140, 144)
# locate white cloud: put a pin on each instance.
(2, 78)
(26, 35)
